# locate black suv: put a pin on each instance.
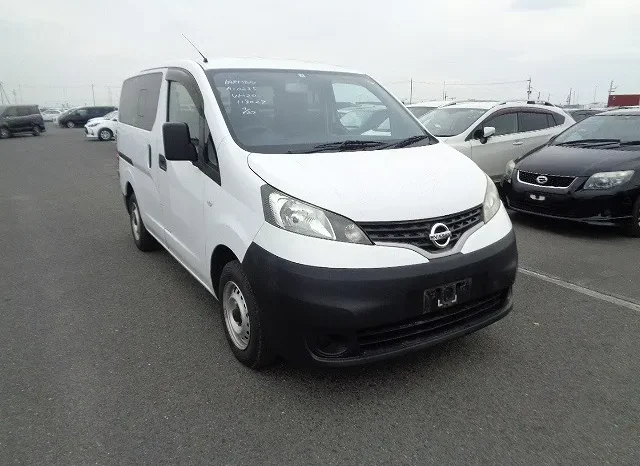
(80, 115)
(20, 119)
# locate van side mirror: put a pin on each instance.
(177, 142)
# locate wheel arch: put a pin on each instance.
(220, 257)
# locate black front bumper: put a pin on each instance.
(612, 206)
(349, 316)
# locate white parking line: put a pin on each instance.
(581, 289)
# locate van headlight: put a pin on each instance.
(491, 203)
(293, 215)
(606, 180)
(508, 170)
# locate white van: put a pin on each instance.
(324, 244)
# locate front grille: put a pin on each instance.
(429, 326)
(552, 209)
(553, 181)
(416, 232)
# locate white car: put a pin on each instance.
(324, 244)
(50, 114)
(102, 128)
(493, 133)
(422, 108)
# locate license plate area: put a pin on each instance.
(446, 296)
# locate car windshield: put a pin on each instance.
(110, 115)
(285, 111)
(603, 128)
(450, 121)
(420, 111)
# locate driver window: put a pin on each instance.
(504, 124)
(182, 109)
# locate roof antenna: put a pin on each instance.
(204, 59)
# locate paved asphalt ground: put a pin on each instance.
(112, 356)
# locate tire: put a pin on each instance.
(143, 239)
(5, 133)
(36, 131)
(105, 134)
(633, 227)
(70, 124)
(242, 319)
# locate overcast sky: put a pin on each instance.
(561, 44)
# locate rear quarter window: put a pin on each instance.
(139, 100)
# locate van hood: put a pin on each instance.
(386, 185)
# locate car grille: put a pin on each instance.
(430, 326)
(553, 181)
(416, 232)
(557, 209)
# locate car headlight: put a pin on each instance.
(491, 203)
(606, 180)
(293, 215)
(91, 125)
(508, 170)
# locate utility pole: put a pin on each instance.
(1, 94)
(538, 95)
(529, 88)
(444, 90)
(410, 90)
(569, 96)
(93, 93)
(15, 96)
(595, 91)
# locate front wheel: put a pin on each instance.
(35, 131)
(633, 228)
(242, 318)
(71, 124)
(105, 134)
(5, 133)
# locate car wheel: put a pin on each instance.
(5, 133)
(36, 131)
(633, 228)
(71, 124)
(143, 239)
(242, 319)
(105, 134)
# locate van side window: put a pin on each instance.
(139, 101)
(182, 109)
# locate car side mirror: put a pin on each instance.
(488, 132)
(177, 142)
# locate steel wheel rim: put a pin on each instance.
(135, 221)
(104, 134)
(236, 315)
(4, 132)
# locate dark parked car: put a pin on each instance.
(20, 119)
(580, 114)
(79, 116)
(588, 173)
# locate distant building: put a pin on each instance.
(623, 100)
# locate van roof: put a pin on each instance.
(220, 63)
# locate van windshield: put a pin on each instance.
(289, 111)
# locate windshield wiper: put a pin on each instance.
(630, 143)
(342, 146)
(405, 142)
(588, 142)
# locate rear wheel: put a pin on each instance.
(35, 131)
(5, 133)
(71, 124)
(633, 227)
(105, 134)
(143, 239)
(242, 318)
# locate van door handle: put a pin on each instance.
(162, 162)
(518, 143)
(149, 152)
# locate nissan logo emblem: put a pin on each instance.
(440, 235)
(542, 179)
